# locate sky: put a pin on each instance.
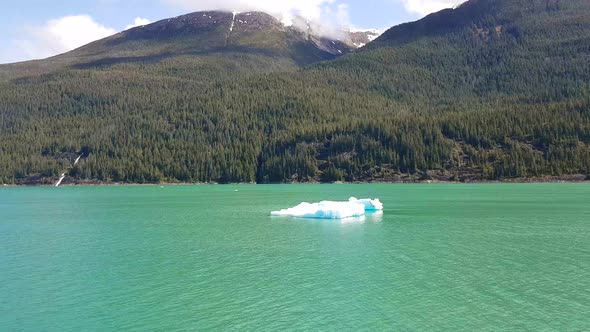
(37, 29)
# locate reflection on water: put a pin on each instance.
(376, 216)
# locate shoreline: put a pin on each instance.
(542, 180)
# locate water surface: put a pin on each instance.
(442, 257)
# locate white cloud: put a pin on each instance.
(138, 23)
(425, 7)
(57, 36)
(310, 9)
(326, 17)
(343, 14)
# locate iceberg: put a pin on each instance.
(332, 210)
(370, 204)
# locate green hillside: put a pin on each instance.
(490, 90)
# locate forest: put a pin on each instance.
(492, 90)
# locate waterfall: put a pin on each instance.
(63, 175)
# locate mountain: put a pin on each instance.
(491, 90)
(485, 48)
(249, 41)
(361, 38)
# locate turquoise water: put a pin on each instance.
(443, 257)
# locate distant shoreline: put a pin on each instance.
(538, 180)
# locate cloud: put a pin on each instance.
(310, 9)
(138, 22)
(57, 36)
(425, 7)
(324, 17)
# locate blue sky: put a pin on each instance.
(33, 29)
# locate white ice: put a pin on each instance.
(332, 210)
(370, 204)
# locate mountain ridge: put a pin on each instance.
(209, 32)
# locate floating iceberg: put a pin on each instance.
(370, 204)
(332, 210)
